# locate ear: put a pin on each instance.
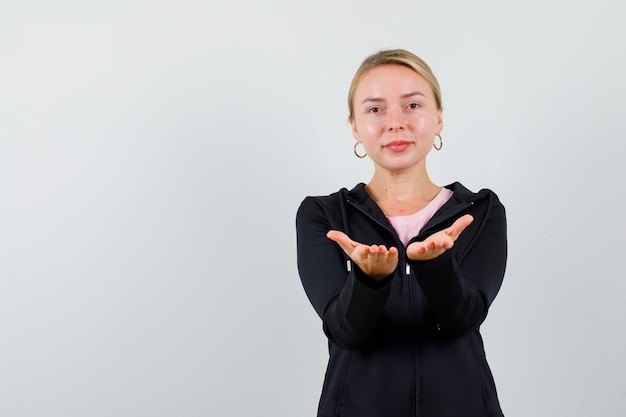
(355, 130)
(440, 120)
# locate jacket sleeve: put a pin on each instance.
(348, 302)
(461, 284)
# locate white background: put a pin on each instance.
(153, 155)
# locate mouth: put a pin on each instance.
(398, 145)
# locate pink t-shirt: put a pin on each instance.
(407, 227)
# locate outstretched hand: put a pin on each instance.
(436, 244)
(376, 261)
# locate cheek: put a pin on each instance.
(367, 130)
(371, 129)
(425, 127)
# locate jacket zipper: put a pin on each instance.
(412, 307)
(410, 283)
(416, 352)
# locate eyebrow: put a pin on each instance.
(378, 99)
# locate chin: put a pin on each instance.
(398, 165)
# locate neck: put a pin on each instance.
(401, 193)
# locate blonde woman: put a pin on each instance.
(402, 271)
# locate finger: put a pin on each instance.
(459, 225)
(447, 244)
(376, 252)
(419, 247)
(337, 236)
(342, 240)
(392, 255)
(382, 249)
(365, 250)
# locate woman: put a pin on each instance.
(402, 271)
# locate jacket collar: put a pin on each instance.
(461, 199)
(461, 194)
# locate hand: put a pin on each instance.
(376, 261)
(436, 244)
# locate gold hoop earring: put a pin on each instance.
(440, 142)
(356, 153)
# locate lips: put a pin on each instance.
(398, 145)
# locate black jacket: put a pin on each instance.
(409, 345)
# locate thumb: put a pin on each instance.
(459, 225)
(342, 240)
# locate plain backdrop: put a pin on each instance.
(153, 155)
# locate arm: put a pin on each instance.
(461, 284)
(349, 303)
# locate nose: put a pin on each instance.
(396, 121)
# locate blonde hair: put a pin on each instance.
(394, 57)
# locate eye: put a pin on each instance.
(413, 106)
(374, 109)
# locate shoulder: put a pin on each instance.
(321, 208)
(324, 212)
(463, 194)
(318, 201)
(331, 202)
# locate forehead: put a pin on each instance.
(387, 81)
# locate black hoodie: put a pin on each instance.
(408, 345)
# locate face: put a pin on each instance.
(395, 117)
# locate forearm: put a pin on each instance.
(348, 302)
(458, 306)
(352, 317)
(461, 284)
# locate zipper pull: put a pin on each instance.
(408, 270)
(348, 265)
